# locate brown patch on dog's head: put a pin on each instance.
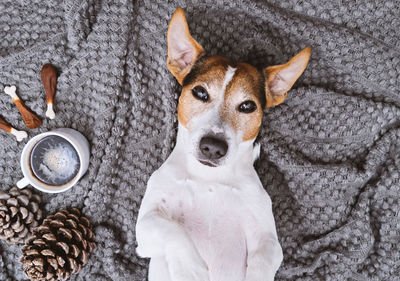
(246, 85)
(209, 73)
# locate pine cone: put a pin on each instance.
(58, 247)
(19, 213)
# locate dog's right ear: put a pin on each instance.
(183, 50)
(280, 78)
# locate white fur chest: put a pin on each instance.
(222, 214)
(213, 216)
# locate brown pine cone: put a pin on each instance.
(58, 247)
(19, 213)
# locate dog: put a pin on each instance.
(205, 215)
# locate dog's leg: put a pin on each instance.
(158, 270)
(264, 258)
(185, 263)
(159, 237)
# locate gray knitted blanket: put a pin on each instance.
(330, 156)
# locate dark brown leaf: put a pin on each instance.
(60, 261)
(56, 223)
(23, 199)
(73, 265)
(48, 252)
(12, 202)
(49, 237)
(71, 223)
(85, 221)
(77, 234)
(64, 246)
(65, 232)
(53, 263)
(75, 251)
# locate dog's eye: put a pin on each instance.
(200, 93)
(247, 106)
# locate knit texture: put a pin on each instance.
(330, 156)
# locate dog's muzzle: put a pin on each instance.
(212, 149)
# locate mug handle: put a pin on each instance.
(22, 183)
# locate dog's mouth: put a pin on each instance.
(208, 163)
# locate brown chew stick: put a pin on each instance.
(5, 126)
(49, 79)
(30, 119)
(20, 135)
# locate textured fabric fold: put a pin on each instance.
(330, 155)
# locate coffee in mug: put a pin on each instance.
(54, 161)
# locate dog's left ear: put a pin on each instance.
(183, 50)
(280, 78)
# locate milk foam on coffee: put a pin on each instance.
(54, 160)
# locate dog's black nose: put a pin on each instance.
(213, 148)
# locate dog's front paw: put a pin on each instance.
(145, 251)
(139, 252)
(186, 264)
(182, 269)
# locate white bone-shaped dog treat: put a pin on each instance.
(11, 91)
(30, 118)
(50, 112)
(20, 135)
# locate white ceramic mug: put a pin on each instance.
(76, 139)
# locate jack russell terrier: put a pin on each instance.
(205, 215)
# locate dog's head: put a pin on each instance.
(222, 102)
